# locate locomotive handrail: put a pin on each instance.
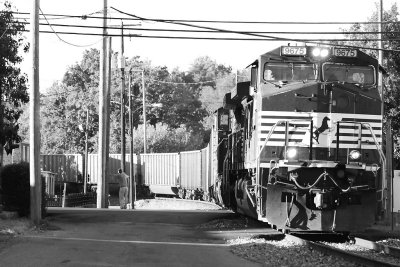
(273, 129)
(223, 139)
(380, 152)
(267, 139)
(382, 155)
(383, 159)
(258, 161)
(368, 126)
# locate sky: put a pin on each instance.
(56, 55)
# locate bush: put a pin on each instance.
(15, 186)
(15, 189)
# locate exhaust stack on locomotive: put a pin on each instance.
(299, 146)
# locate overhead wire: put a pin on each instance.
(274, 38)
(88, 45)
(219, 21)
(213, 30)
(211, 38)
(210, 31)
(249, 34)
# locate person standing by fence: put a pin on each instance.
(123, 188)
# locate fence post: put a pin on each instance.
(64, 195)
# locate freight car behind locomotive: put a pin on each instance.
(299, 145)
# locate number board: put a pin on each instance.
(293, 50)
(345, 52)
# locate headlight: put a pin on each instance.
(324, 52)
(355, 154)
(316, 52)
(320, 52)
(291, 153)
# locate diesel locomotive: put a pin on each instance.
(299, 145)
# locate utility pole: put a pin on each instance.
(103, 114)
(34, 122)
(385, 183)
(108, 99)
(389, 168)
(122, 62)
(144, 115)
(132, 181)
(86, 152)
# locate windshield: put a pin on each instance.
(348, 73)
(289, 72)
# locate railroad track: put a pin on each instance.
(353, 256)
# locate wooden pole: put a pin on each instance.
(385, 191)
(34, 125)
(85, 173)
(123, 149)
(132, 183)
(101, 200)
(108, 99)
(389, 168)
(144, 115)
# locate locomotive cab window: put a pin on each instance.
(348, 74)
(289, 72)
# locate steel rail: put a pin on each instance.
(352, 257)
(393, 251)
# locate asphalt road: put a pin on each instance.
(94, 237)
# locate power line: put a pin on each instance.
(63, 39)
(259, 36)
(209, 31)
(223, 39)
(215, 21)
(249, 34)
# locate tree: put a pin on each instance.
(65, 108)
(391, 62)
(180, 118)
(13, 84)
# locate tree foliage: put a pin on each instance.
(13, 84)
(178, 124)
(391, 62)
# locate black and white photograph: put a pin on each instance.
(199, 133)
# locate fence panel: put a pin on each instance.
(160, 168)
(67, 167)
(205, 163)
(50, 182)
(114, 163)
(190, 170)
